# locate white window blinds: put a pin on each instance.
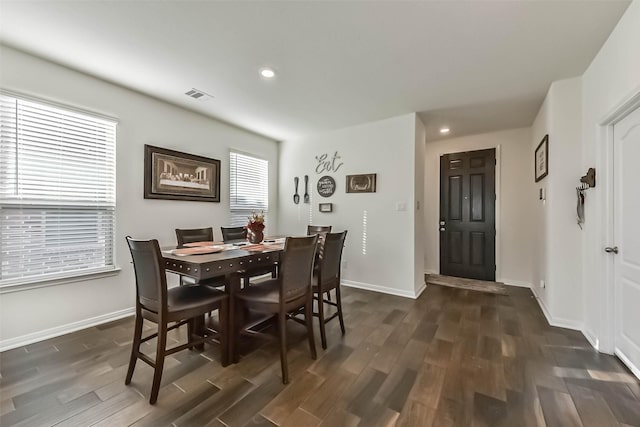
(57, 192)
(249, 187)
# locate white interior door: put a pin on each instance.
(627, 239)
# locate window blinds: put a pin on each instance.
(249, 187)
(57, 192)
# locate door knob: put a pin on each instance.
(442, 229)
(611, 249)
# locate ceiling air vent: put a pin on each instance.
(199, 95)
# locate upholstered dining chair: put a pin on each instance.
(191, 235)
(181, 304)
(233, 233)
(280, 297)
(327, 278)
(316, 229)
(230, 234)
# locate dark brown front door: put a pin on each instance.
(467, 215)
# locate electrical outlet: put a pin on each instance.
(543, 284)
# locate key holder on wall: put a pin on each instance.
(588, 181)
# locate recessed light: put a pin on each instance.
(445, 130)
(267, 73)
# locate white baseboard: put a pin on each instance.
(20, 341)
(518, 283)
(431, 272)
(591, 337)
(555, 321)
(634, 369)
(420, 291)
(382, 289)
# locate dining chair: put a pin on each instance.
(191, 235)
(280, 297)
(181, 304)
(233, 233)
(315, 229)
(230, 234)
(327, 278)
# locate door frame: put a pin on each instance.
(498, 189)
(605, 160)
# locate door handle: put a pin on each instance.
(442, 229)
(610, 250)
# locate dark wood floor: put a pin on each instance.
(451, 358)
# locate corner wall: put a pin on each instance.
(513, 208)
(30, 315)
(380, 246)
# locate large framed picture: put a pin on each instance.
(173, 175)
(542, 159)
(365, 183)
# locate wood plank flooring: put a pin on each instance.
(451, 358)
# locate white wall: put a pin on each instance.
(513, 208)
(33, 314)
(379, 252)
(558, 253)
(419, 237)
(612, 78)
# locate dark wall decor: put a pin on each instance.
(326, 207)
(327, 164)
(326, 186)
(173, 175)
(365, 183)
(541, 159)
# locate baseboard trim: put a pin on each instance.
(27, 339)
(517, 283)
(591, 337)
(420, 291)
(554, 321)
(430, 272)
(381, 289)
(634, 369)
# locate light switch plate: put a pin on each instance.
(401, 206)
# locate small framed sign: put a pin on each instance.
(542, 159)
(326, 186)
(326, 207)
(365, 183)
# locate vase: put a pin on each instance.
(255, 236)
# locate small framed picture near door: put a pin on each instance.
(542, 159)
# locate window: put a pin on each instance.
(249, 187)
(57, 192)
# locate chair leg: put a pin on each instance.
(223, 333)
(160, 351)
(135, 348)
(323, 332)
(329, 295)
(308, 317)
(282, 326)
(339, 302)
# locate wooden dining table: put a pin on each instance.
(232, 262)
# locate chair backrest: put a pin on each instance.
(151, 279)
(331, 257)
(191, 235)
(234, 233)
(296, 266)
(316, 229)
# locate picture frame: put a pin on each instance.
(173, 175)
(541, 159)
(363, 183)
(325, 207)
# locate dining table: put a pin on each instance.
(207, 260)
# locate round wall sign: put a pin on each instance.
(326, 186)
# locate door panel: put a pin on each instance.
(467, 209)
(627, 238)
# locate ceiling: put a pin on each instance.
(475, 66)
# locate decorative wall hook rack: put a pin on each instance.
(589, 180)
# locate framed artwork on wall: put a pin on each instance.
(173, 175)
(326, 207)
(542, 159)
(364, 183)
